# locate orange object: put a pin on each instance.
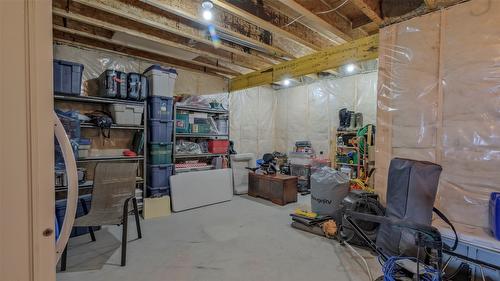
(129, 153)
(218, 146)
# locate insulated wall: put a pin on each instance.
(252, 117)
(95, 62)
(310, 112)
(439, 100)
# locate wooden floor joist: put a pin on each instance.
(358, 50)
(110, 44)
(150, 19)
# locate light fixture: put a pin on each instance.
(350, 68)
(286, 82)
(207, 6)
(207, 15)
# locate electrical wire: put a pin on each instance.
(318, 13)
(390, 268)
(363, 259)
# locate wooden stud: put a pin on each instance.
(355, 51)
(371, 8)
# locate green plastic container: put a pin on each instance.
(200, 128)
(160, 153)
(182, 123)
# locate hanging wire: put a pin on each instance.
(318, 13)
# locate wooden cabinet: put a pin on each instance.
(279, 189)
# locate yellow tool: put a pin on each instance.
(307, 214)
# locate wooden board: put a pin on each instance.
(355, 51)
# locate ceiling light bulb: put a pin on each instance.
(350, 68)
(286, 82)
(207, 4)
(207, 15)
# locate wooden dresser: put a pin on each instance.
(279, 189)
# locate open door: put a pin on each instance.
(27, 239)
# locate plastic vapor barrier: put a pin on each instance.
(439, 101)
(252, 119)
(311, 112)
(95, 62)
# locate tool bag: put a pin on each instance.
(103, 120)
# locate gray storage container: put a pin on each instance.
(125, 114)
(328, 188)
(113, 84)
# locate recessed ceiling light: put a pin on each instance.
(350, 68)
(207, 15)
(286, 82)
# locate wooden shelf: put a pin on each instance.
(92, 99)
(203, 168)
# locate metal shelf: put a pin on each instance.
(91, 99)
(195, 135)
(110, 158)
(205, 110)
(203, 168)
(346, 147)
(113, 126)
(90, 185)
(354, 165)
(198, 155)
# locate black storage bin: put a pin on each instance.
(67, 77)
(160, 108)
(137, 86)
(113, 84)
(61, 209)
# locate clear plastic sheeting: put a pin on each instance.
(311, 112)
(439, 101)
(95, 62)
(252, 116)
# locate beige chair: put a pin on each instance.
(114, 187)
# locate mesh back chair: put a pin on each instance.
(114, 187)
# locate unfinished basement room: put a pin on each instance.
(250, 140)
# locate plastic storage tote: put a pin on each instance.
(160, 131)
(160, 108)
(157, 191)
(182, 123)
(200, 128)
(161, 80)
(61, 209)
(160, 153)
(67, 77)
(137, 86)
(113, 84)
(159, 175)
(495, 214)
(218, 146)
(124, 114)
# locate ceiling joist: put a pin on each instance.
(358, 50)
(371, 8)
(172, 25)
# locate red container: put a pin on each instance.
(218, 146)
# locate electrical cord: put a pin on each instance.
(362, 258)
(318, 13)
(390, 268)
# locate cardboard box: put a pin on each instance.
(156, 207)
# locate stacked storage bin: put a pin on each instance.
(160, 128)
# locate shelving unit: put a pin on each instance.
(79, 102)
(197, 136)
(362, 163)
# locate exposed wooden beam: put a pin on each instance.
(84, 20)
(316, 23)
(175, 26)
(355, 51)
(371, 8)
(432, 4)
(189, 10)
(193, 65)
(297, 33)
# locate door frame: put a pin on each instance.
(27, 239)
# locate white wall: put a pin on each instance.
(264, 120)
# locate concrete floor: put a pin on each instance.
(245, 239)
